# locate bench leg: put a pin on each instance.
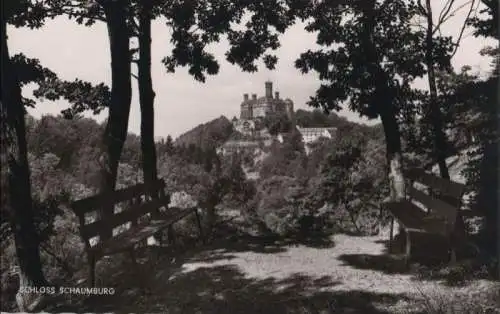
(92, 266)
(171, 235)
(391, 235)
(198, 220)
(453, 256)
(131, 253)
(407, 249)
(138, 276)
(159, 238)
(453, 253)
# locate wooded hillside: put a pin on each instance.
(207, 135)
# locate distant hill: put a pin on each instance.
(207, 135)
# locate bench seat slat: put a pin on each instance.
(415, 219)
(128, 238)
(135, 235)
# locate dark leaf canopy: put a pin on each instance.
(370, 53)
(81, 95)
(487, 27)
(251, 28)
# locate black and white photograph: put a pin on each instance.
(250, 156)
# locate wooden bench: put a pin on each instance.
(141, 206)
(432, 207)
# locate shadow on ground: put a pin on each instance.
(224, 289)
(429, 262)
(425, 251)
(230, 241)
(166, 286)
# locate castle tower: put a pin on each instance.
(269, 89)
(246, 108)
(289, 109)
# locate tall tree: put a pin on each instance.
(435, 113)
(146, 93)
(16, 72)
(438, 52)
(115, 134)
(195, 25)
(368, 58)
(13, 136)
(485, 95)
(115, 13)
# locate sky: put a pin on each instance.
(181, 103)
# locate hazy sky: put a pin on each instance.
(74, 51)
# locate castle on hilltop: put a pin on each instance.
(266, 105)
(254, 136)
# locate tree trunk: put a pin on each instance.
(146, 94)
(488, 196)
(435, 113)
(21, 213)
(394, 155)
(397, 184)
(115, 133)
(384, 104)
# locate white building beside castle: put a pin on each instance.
(310, 135)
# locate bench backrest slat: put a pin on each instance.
(449, 188)
(434, 204)
(129, 215)
(93, 203)
(440, 196)
(133, 210)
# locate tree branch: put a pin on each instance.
(421, 8)
(457, 44)
(446, 9)
(452, 14)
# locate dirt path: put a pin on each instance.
(343, 275)
(343, 264)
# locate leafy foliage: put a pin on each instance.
(251, 28)
(278, 203)
(80, 94)
(298, 192)
(208, 180)
(351, 71)
(208, 135)
(350, 176)
(486, 27)
(277, 124)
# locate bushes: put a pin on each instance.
(61, 248)
(328, 189)
(277, 204)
